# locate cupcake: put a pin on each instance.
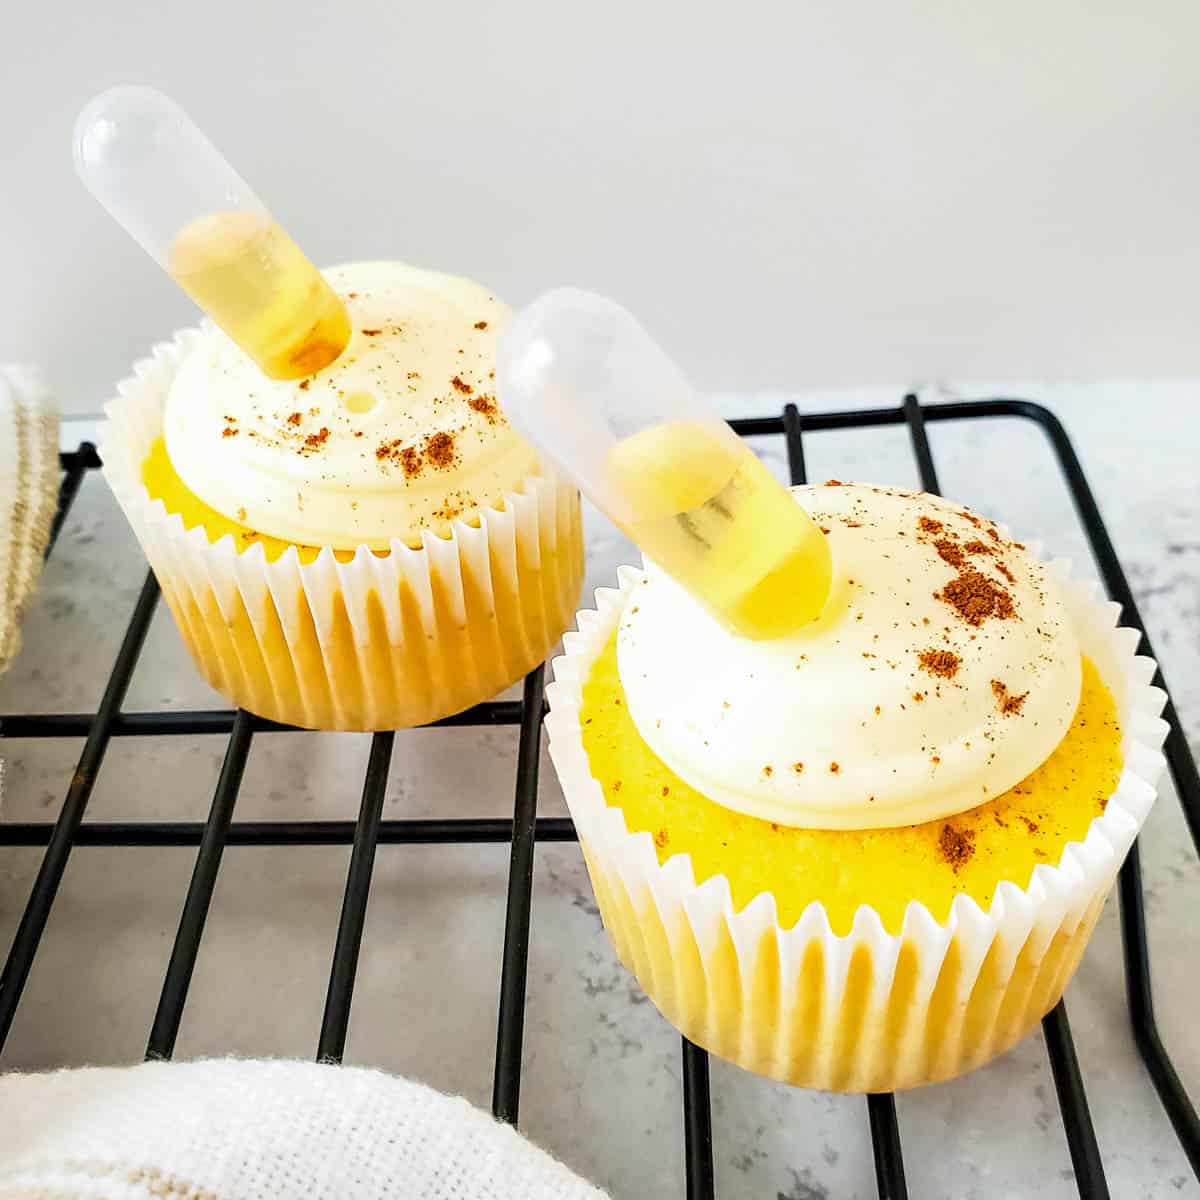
(372, 547)
(867, 855)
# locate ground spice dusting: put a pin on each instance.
(1009, 703)
(486, 407)
(660, 839)
(798, 767)
(372, 332)
(480, 324)
(834, 768)
(439, 449)
(411, 460)
(460, 385)
(304, 384)
(228, 432)
(975, 598)
(929, 525)
(295, 418)
(949, 551)
(315, 441)
(977, 547)
(834, 483)
(943, 663)
(1003, 569)
(956, 846)
(768, 771)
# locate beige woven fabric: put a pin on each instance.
(238, 1130)
(28, 491)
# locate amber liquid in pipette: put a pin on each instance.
(716, 519)
(249, 276)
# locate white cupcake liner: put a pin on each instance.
(372, 643)
(866, 1011)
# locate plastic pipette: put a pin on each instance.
(141, 156)
(586, 383)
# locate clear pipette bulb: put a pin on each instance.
(585, 382)
(169, 187)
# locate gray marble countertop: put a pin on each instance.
(601, 1084)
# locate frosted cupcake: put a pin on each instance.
(869, 854)
(372, 547)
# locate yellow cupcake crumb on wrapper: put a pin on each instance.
(360, 640)
(830, 992)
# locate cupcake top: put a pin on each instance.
(401, 435)
(943, 670)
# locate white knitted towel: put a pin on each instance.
(240, 1130)
(28, 491)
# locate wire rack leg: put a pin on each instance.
(336, 1021)
(58, 850)
(510, 1031)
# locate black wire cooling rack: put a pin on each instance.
(526, 828)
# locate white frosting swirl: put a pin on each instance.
(400, 435)
(942, 672)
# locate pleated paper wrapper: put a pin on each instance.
(867, 1011)
(376, 642)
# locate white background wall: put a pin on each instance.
(793, 195)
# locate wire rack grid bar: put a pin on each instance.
(336, 1021)
(153, 724)
(510, 1024)
(422, 832)
(199, 895)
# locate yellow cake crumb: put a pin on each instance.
(163, 483)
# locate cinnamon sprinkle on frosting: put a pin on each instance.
(1009, 703)
(943, 663)
(975, 598)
